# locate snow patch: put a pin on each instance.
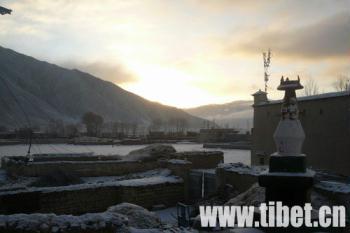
(61, 223)
(153, 180)
(242, 169)
(178, 161)
(334, 186)
(138, 216)
(168, 215)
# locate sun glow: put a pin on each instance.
(167, 86)
(185, 53)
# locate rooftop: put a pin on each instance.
(312, 97)
(260, 92)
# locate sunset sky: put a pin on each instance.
(186, 53)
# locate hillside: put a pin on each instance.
(237, 114)
(49, 92)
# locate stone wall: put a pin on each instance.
(202, 159)
(326, 122)
(80, 168)
(241, 179)
(18, 166)
(106, 222)
(145, 196)
(79, 201)
(87, 200)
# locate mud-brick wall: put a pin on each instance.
(79, 201)
(148, 196)
(202, 159)
(93, 199)
(240, 182)
(86, 168)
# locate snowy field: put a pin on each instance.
(230, 155)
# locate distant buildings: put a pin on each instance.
(326, 121)
(222, 135)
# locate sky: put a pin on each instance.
(186, 53)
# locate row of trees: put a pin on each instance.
(175, 124)
(94, 124)
(341, 84)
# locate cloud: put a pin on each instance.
(224, 5)
(115, 73)
(328, 38)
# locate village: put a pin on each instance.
(137, 117)
(119, 193)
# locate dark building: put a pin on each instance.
(222, 135)
(326, 122)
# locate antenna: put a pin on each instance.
(267, 60)
(4, 11)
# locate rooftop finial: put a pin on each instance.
(289, 135)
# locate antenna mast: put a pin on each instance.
(267, 60)
(4, 11)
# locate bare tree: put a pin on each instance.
(55, 128)
(71, 130)
(134, 127)
(156, 124)
(311, 87)
(342, 83)
(93, 123)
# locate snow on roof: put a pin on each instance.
(58, 223)
(145, 181)
(150, 181)
(333, 186)
(312, 97)
(178, 161)
(242, 169)
(209, 171)
(58, 155)
(260, 92)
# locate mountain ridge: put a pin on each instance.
(236, 114)
(47, 91)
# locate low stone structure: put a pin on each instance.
(241, 177)
(178, 167)
(337, 192)
(79, 168)
(137, 161)
(107, 222)
(78, 199)
(202, 159)
(126, 186)
(121, 218)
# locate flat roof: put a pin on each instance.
(311, 97)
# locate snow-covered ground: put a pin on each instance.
(334, 186)
(124, 217)
(243, 169)
(168, 215)
(230, 155)
(139, 175)
(152, 177)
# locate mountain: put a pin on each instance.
(236, 114)
(47, 92)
